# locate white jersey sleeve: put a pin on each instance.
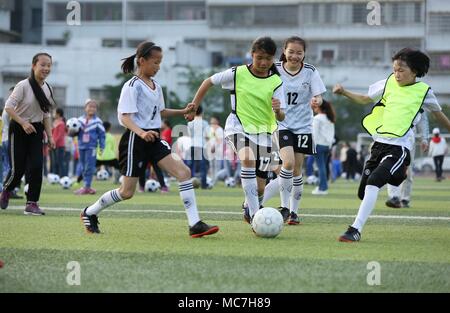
(162, 104)
(431, 102)
(376, 90)
(225, 79)
(317, 85)
(127, 100)
(279, 94)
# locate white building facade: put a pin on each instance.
(342, 43)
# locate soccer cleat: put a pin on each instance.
(394, 202)
(293, 219)
(4, 199)
(351, 235)
(405, 203)
(285, 213)
(32, 208)
(201, 229)
(246, 213)
(90, 222)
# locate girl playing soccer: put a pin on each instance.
(141, 106)
(302, 85)
(257, 100)
(400, 101)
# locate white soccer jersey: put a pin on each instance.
(299, 90)
(232, 125)
(143, 103)
(430, 104)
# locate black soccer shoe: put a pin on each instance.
(351, 235)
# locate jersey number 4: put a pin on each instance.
(292, 98)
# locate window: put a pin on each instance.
(108, 11)
(112, 43)
(196, 42)
(231, 16)
(133, 43)
(56, 12)
(358, 52)
(90, 11)
(276, 15)
(36, 18)
(56, 42)
(98, 94)
(186, 10)
(397, 45)
(439, 23)
(440, 62)
(141, 11)
(359, 13)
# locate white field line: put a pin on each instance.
(398, 217)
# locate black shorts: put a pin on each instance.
(396, 159)
(264, 156)
(135, 153)
(302, 143)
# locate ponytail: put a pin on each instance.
(328, 109)
(144, 50)
(128, 64)
(42, 99)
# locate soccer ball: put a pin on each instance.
(53, 178)
(102, 175)
(195, 182)
(65, 182)
(230, 182)
(152, 185)
(312, 180)
(267, 222)
(25, 189)
(73, 126)
(209, 183)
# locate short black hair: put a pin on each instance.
(416, 60)
(60, 112)
(199, 110)
(107, 125)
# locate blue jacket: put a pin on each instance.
(91, 133)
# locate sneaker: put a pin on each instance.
(351, 235)
(90, 222)
(164, 189)
(319, 192)
(394, 202)
(4, 199)
(293, 219)
(82, 191)
(32, 208)
(246, 213)
(285, 213)
(201, 229)
(91, 191)
(405, 203)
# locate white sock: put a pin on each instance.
(366, 207)
(272, 189)
(187, 195)
(106, 200)
(285, 183)
(296, 194)
(248, 181)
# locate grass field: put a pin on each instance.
(145, 245)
